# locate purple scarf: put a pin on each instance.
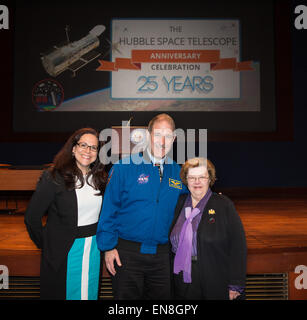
(183, 255)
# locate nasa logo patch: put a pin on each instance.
(142, 179)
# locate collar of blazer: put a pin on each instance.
(69, 198)
(180, 204)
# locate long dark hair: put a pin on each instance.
(64, 164)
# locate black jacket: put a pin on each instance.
(221, 246)
(57, 236)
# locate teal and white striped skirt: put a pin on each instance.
(83, 269)
(77, 278)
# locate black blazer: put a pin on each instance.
(221, 246)
(57, 236)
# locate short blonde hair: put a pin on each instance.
(161, 117)
(198, 162)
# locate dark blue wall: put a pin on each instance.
(238, 164)
(272, 164)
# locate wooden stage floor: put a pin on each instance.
(276, 233)
(274, 224)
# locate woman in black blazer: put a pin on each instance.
(70, 193)
(207, 239)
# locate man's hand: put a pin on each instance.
(233, 294)
(109, 257)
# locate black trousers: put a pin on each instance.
(194, 290)
(141, 276)
(188, 291)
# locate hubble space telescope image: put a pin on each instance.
(74, 55)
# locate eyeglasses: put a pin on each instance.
(84, 146)
(200, 179)
(168, 137)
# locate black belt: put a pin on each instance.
(87, 231)
(136, 246)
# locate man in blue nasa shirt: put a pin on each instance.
(138, 208)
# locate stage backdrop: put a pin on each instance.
(97, 64)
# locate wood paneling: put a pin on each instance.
(276, 234)
(18, 179)
(275, 227)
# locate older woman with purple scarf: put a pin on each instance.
(207, 239)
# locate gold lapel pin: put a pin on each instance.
(211, 211)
